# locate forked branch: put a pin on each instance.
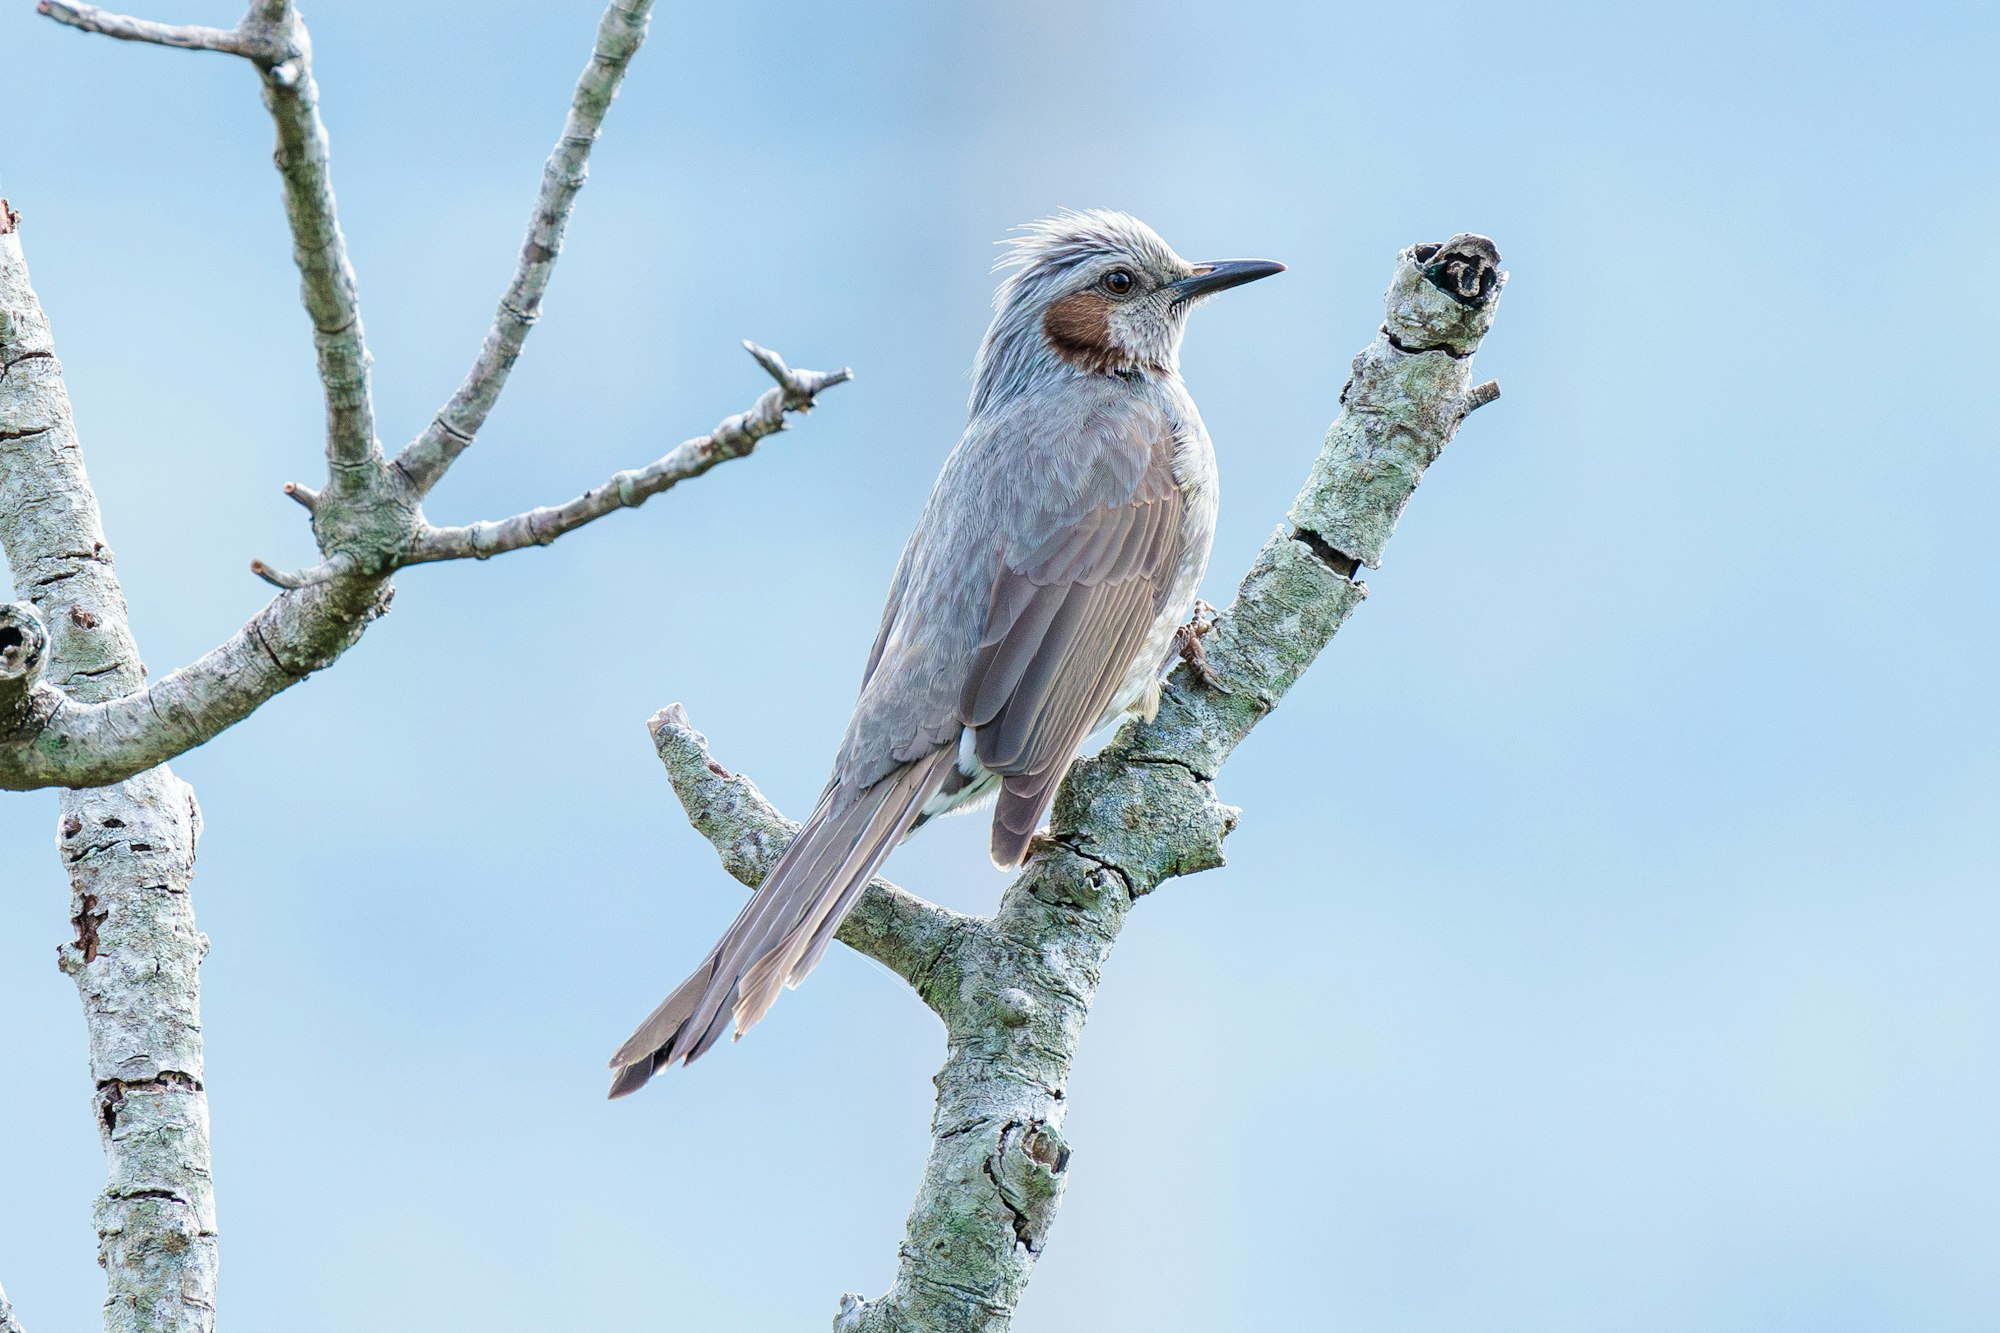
(368, 519)
(57, 742)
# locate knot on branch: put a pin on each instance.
(1144, 817)
(366, 523)
(1465, 268)
(1027, 1172)
(24, 651)
(1014, 1007)
(24, 644)
(1443, 296)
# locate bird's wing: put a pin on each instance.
(1046, 553)
(1067, 616)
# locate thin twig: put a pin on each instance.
(734, 437)
(273, 35)
(188, 36)
(326, 275)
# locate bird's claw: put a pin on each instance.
(1187, 645)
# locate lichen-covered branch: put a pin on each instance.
(795, 391)
(1014, 991)
(129, 850)
(274, 38)
(1144, 810)
(68, 742)
(905, 933)
(8, 1324)
(619, 35)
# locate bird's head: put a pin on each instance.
(1101, 293)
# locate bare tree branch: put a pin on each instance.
(71, 743)
(190, 36)
(129, 850)
(734, 437)
(274, 37)
(1014, 991)
(326, 276)
(368, 521)
(905, 933)
(56, 741)
(619, 34)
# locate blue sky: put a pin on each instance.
(1608, 942)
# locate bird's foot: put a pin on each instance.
(1187, 645)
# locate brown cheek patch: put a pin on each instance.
(1078, 327)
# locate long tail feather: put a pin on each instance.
(784, 929)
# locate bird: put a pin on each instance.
(1037, 601)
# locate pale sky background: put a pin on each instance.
(1609, 942)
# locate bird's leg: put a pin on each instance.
(1187, 644)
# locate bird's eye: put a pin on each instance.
(1118, 281)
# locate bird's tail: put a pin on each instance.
(788, 923)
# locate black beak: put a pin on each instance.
(1208, 279)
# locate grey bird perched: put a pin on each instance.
(1037, 600)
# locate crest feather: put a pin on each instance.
(1070, 236)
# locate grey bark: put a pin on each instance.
(74, 707)
(1014, 990)
(129, 850)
